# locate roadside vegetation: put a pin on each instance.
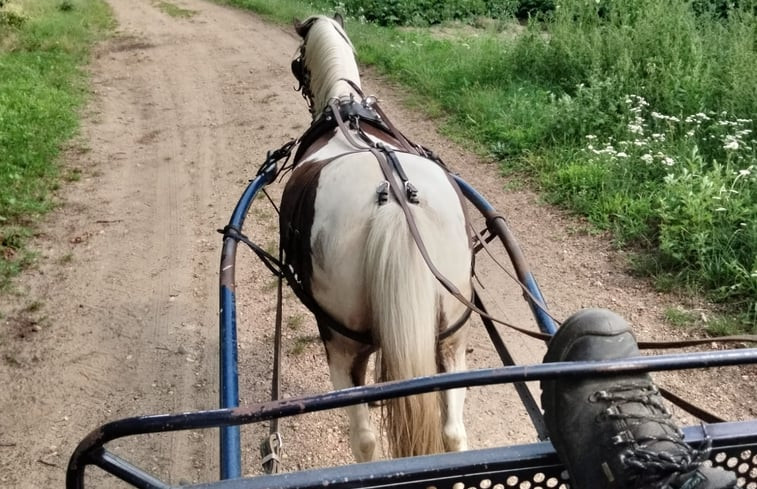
(639, 115)
(43, 46)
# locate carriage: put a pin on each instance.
(350, 133)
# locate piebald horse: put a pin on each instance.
(349, 244)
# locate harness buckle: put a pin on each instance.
(412, 193)
(383, 192)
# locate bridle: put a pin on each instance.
(302, 74)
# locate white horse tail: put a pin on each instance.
(403, 298)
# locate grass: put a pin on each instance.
(638, 115)
(302, 342)
(295, 321)
(174, 10)
(679, 317)
(42, 87)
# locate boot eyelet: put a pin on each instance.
(598, 396)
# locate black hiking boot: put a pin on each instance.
(615, 432)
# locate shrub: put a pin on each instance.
(426, 12)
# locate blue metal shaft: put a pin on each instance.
(230, 443)
(497, 225)
(231, 449)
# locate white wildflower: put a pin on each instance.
(731, 143)
(647, 158)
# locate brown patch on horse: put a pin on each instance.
(309, 146)
(296, 219)
(382, 135)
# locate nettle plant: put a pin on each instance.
(698, 175)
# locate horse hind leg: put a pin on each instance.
(348, 367)
(452, 359)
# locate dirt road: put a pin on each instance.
(119, 317)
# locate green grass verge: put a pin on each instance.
(639, 115)
(43, 46)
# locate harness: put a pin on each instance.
(356, 119)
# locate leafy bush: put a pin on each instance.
(426, 12)
(721, 9)
(534, 8)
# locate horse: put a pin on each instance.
(375, 232)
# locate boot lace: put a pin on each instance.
(651, 466)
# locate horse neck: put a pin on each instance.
(332, 63)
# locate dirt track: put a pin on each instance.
(119, 318)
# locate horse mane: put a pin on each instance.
(329, 57)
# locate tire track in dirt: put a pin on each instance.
(119, 318)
